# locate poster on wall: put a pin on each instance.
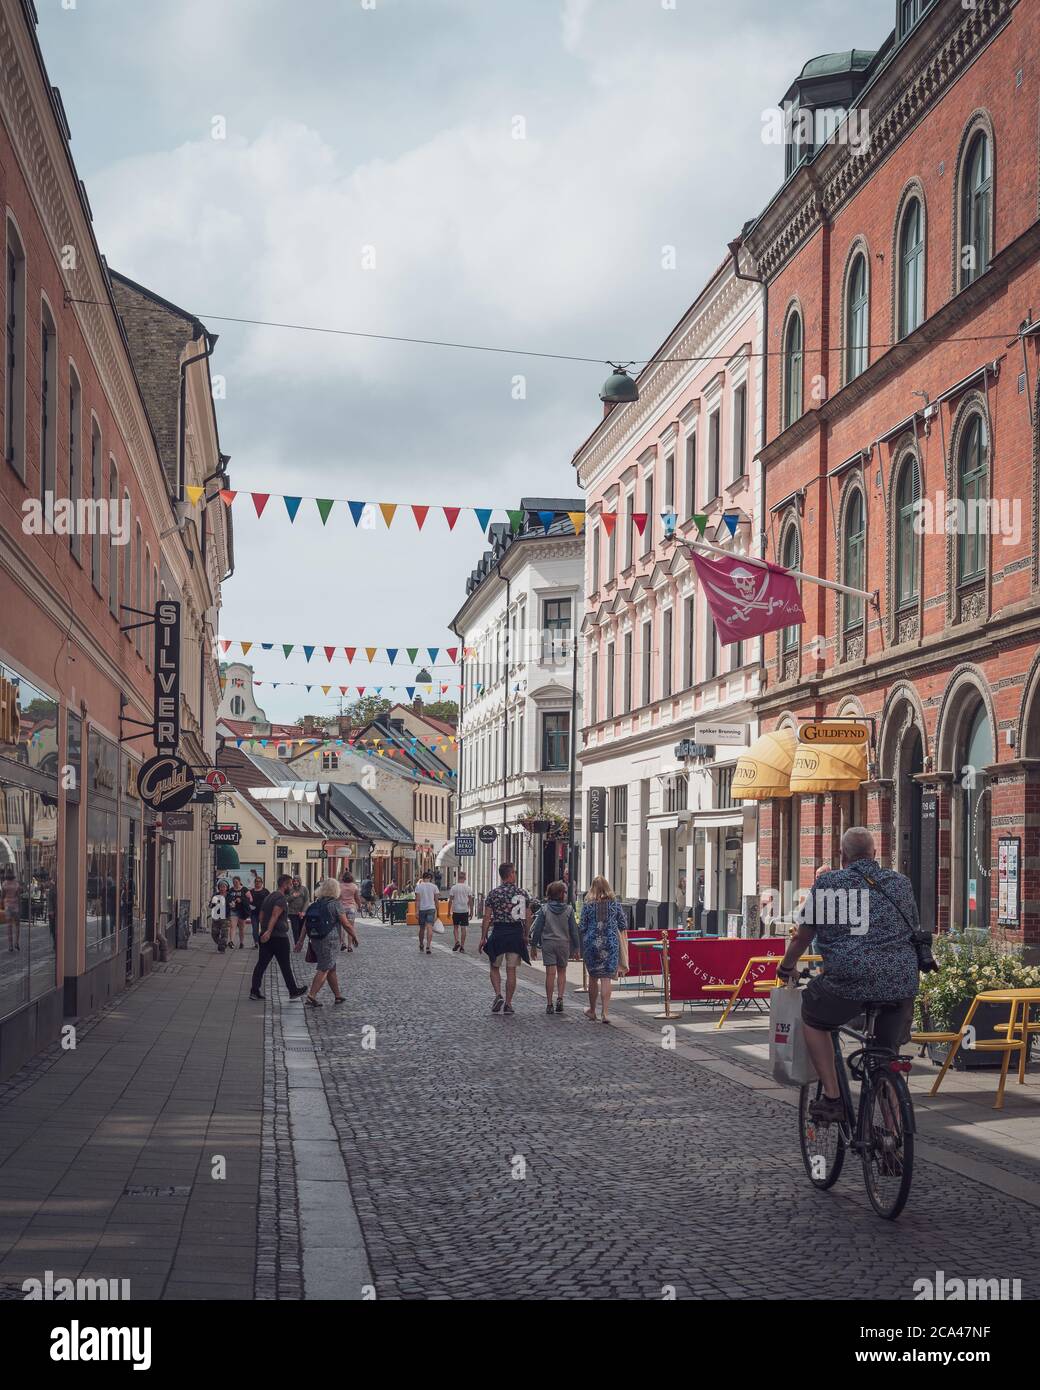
(1008, 848)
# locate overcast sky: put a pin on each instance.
(393, 127)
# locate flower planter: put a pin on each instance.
(984, 1022)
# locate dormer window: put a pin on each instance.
(910, 11)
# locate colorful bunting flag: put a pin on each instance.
(420, 515)
(194, 493)
(330, 652)
(308, 653)
(324, 507)
(452, 654)
(292, 506)
(700, 521)
(227, 497)
(260, 501)
(245, 648)
(547, 519)
(412, 653)
(483, 515)
(732, 522)
(357, 510)
(577, 521)
(609, 520)
(370, 652)
(639, 521)
(451, 515)
(516, 519)
(286, 649)
(391, 654)
(433, 655)
(388, 509)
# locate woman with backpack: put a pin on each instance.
(321, 928)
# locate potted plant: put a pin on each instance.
(970, 962)
(542, 822)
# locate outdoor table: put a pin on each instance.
(1018, 999)
(733, 990)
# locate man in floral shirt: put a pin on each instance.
(507, 918)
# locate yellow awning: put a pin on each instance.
(835, 769)
(764, 771)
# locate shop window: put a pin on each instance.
(975, 822)
(102, 848)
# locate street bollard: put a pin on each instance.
(666, 980)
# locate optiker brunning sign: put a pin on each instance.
(167, 726)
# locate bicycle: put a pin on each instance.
(881, 1131)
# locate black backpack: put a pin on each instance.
(318, 920)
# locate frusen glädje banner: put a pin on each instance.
(747, 598)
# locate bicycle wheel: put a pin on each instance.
(823, 1147)
(888, 1158)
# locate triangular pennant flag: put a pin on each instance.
(266, 646)
(324, 507)
(357, 510)
(325, 689)
(388, 509)
(483, 515)
(451, 515)
(245, 647)
(194, 493)
(609, 520)
(391, 653)
(239, 742)
(452, 654)
(419, 513)
(292, 506)
(547, 519)
(444, 690)
(361, 690)
(308, 653)
(225, 645)
(286, 648)
(330, 652)
(227, 496)
(577, 521)
(309, 689)
(409, 690)
(350, 652)
(516, 519)
(370, 652)
(379, 690)
(433, 655)
(260, 501)
(275, 684)
(639, 521)
(700, 521)
(343, 689)
(412, 652)
(732, 522)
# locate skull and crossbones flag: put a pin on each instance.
(745, 598)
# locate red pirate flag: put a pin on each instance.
(747, 598)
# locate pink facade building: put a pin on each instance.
(667, 708)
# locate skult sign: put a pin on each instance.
(165, 782)
(166, 732)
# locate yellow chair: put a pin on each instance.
(443, 915)
(412, 919)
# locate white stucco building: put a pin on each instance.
(524, 604)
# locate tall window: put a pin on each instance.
(714, 454)
(789, 558)
(976, 210)
(594, 688)
(648, 643)
(972, 488)
(48, 402)
(96, 495)
(794, 368)
(852, 570)
(690, 482)
(611, 664)
(612, 552)
(857, 319)
(975, 835)
(136, 597)
(648, 507)
(740, 431)
(556, 742)
(666, 654)
(556, 628)
(594, 544)
(113, 554)
(75, 454)
(907, 495)
(127, 579)
(669, 483)
(711, 648)
(14, 358)
(630, 527)
(626, 674)
(911, 268)
(910, 11)
(689, 631)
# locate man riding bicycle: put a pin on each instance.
(862, 918)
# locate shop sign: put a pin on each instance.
(731, 735)
(216, 779)
(1008, 849)
(166, 730)
(178, 820)
(225, 835)
(487, 834)
(689, 748)
(824, 731)
(317, 854)
(166, 782)
(465, 846)
(204, 794)
(597, 809)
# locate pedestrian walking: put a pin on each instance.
(237, 912)
(274, 941)
(426, 907)
(322, 922)
(460, 902)
(297, 897)
(368, 896)
(350, 902)
(603, 926)
(219, 915)
(257, 896)
(555, 934)
(507, 917)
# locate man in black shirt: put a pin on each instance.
(274, 941)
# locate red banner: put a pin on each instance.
(747, 599)
(707, 960)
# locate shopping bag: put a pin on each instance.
(438, 926)
(788, 1053)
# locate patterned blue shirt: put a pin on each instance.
(864, 941)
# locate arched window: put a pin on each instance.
(125, 531)
(96, 495)
(975, 830)
(857, 319)
(113, 558)
(908, 494)
(911, 268)
(976, 209)
(14, 355)
(136, 599)
(972, 490)
(789, 558)
(794, 360)
(238, 705)
(853, 570)
(48, 402)
(75, 455)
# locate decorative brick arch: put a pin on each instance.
(914, 189)
(979, 120)
(860, 247)
(1029, 713)
(974, 403)
(967, 684)
(902, 708)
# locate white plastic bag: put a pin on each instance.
(788, 1053)
(438, 926)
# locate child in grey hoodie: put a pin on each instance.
(555, 934)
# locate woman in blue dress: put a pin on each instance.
(602, 923)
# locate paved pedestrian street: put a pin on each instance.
(412, 1144)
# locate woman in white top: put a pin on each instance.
(460, 902)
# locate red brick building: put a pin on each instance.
(900, 259)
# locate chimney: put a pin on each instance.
(417, 705)
(343, 726)
(308, 724)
